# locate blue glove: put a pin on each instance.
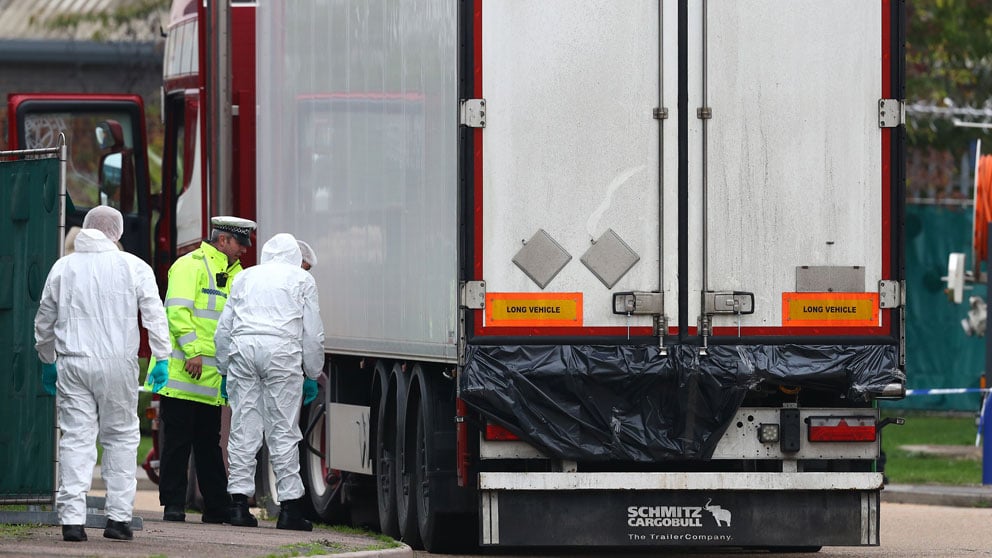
(159, 375)
(49, 373)
(223, 387)
(309, 390)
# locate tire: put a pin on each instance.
(322, 501)
(362, 509)
(440, 530)
(406, 462)
(385, 454)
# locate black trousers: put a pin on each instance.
(185, 426)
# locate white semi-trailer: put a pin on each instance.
(594, 273)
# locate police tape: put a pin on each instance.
(946, 391)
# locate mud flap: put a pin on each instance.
(630, 518)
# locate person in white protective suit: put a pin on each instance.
(87, 336)
(268, 332)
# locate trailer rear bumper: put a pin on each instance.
(679, 509)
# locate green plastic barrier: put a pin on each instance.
(29, 220)
(938, 353)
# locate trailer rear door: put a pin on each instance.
(736, 158)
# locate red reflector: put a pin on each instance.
(151, 411)
(842, 429)
(496, 433)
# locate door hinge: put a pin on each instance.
(891, 113)
(660, 113)
(891, 294)
(473, 113)
(704, 113)
(473, 295)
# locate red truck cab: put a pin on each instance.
(102, 169)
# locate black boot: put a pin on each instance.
(238, 514)
(174, 513)
(291, 517)
(120, 530)
(73, 533)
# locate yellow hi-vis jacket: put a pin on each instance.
(193, 304)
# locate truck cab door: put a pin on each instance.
(108, 159)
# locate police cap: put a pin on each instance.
(237, 227)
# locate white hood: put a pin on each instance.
(282, 248)
(92, 240)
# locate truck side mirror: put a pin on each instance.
(109, 136)
(110, 174)
(116, 166)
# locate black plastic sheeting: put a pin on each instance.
(604, 403)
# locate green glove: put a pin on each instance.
(159, 375)
(223, 387)
(49, 373)
(309, 390)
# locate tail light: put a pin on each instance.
(842, 429)
(496, 433)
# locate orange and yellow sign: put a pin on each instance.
(830, 309)
(534, 309)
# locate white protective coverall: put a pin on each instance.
(88, 319)
(269, 329)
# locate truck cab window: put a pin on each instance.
(83, 172)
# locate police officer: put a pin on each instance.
(190, 408)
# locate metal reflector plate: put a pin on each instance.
(541, 258)
(609, 258)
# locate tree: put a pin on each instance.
(949, 51)
(135, 20)
(948, 64)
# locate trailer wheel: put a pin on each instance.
(406, 463)
(440, 530)
(385, 456)
(321, 483)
